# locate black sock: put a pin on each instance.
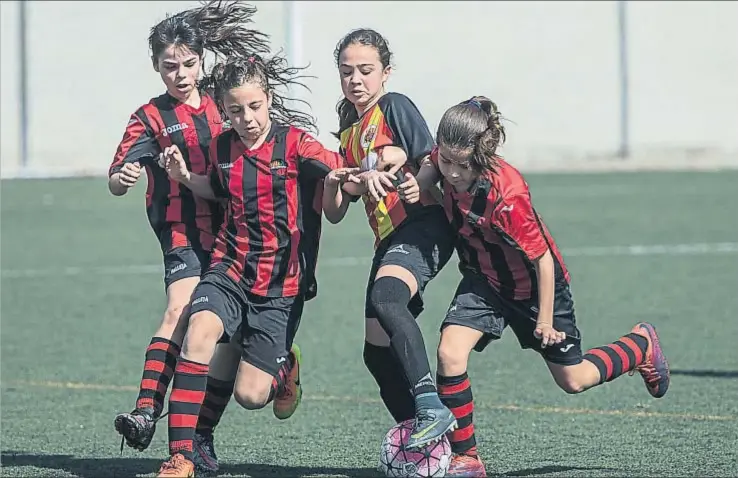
(393, 386)
(390, 297)
(217, 396)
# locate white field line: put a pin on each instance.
(349, 261)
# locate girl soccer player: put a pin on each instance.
(512, 274)
(258, 278)
(185, 224)
(413, 242)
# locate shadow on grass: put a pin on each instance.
(130, 467)
(706, 373)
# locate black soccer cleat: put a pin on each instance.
(203, 455)
(430, 426)
(137, 428)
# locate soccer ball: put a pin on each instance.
(429, 461)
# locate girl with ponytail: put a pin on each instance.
(513, 274)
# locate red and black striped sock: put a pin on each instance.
(217, 396)
(280, 379)
(615, 359)
(161, 358)
(188, 393)
(456, 394)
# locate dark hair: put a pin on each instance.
(217, 26)
(363, 36)
(474, 126)
(270, 74)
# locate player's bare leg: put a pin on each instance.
(638, 351)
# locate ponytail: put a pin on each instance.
(474, 129)
(222, 25)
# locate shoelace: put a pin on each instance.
(286, 393)
(205, 442)
(123, 439)
(467, 460)
(649, 373)
(425, 415)
(171, 464)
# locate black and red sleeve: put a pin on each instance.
(518, 220)
(315, 160)
(404, 127)
(138, 144)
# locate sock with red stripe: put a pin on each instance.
(188, 393)
(279, 380)
(161, 358)
(217, 396)
(618, 358)
(456, 394)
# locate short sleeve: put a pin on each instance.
(404, 127)
(138, 144)
(315, 160)
(519, 221)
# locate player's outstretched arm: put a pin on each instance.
(335, 202)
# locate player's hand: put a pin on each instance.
(174, 163)
(548, 335)
(378, 183)
(340, 176)
(129, 174)
(409, 190)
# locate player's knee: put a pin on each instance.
(251, 397)
(174, 315)
(571, 384)
(389, 297)
(451, 360)
(203, 331)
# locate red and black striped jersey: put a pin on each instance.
(179, 218)
(393, 121)
(500, 233)
(268, 242)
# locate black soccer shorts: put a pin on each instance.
(266, 325)
(423, 246)
(480, 306)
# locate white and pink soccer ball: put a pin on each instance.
(396, 461)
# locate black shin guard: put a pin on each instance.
(390, 297)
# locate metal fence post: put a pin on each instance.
(23, 83)
(292, 35)
(624, 150)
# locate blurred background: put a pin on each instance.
(587, 84)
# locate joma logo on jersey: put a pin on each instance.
(174, 128)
